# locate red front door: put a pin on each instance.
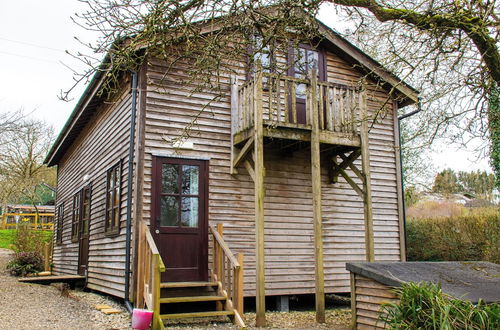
(179, 217)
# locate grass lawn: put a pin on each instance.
(7, 237)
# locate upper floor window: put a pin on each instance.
(301, 62)
(113, 196)
(59, 223)
(263, 53)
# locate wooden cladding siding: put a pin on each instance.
(289, 262)
(369, 297)
(102, 144)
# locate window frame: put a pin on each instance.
(59, 223)
(110, 227)
(252, 56)
(83, 202)
(322, 66)
(76, 213)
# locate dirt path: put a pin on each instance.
(33, 306)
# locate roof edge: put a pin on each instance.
(88, 94)
(367, 61)
(358, 269)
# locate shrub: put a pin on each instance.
(29, 240)
(474, 235)
(28, 246)
(425, 306)
(25, 263)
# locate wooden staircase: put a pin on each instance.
(221, 296)
(198, 299)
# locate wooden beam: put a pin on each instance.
(239, 281)
(350, 181)
(260, 295)
(316, 192)
(250, 169)
(242, 153)
(353, 167)
(365, 160)
(353, 301)
(346, 161)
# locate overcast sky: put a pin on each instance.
(34, 36)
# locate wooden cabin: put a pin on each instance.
(280, 182)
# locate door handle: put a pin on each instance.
(157, 231)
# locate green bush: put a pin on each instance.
(29, 240)
(25, 263)
(425, 306)
(28, 247)
(474, 235)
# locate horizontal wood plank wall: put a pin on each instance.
(342, 207)
(100, 146)
(170, 106)
(370, 295)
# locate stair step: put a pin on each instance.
(191, 299)
(195, 314)
(187, 284)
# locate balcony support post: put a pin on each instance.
(316, 192)
(367, 190)
(259, 173)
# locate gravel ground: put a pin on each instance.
(34, 306)
(336, 319)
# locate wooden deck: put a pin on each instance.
(71, 279)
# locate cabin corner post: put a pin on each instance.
(259, 172)
(399, 182)
(316, 192)
(367, 191)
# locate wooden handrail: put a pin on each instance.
(154, 250)
(151, 266)
(228, 272)
(224, 247)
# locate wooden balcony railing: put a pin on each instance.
(284, 100)
(150, 268)
(228, 271)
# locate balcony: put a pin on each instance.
(285, 107)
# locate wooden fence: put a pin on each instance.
(42, 221)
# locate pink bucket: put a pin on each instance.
(141, 319)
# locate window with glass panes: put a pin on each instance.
(304, 61)
(113, 193)
(85, 210)
(180, 195)
(75, 220)
(262, 53)
(60, 214)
